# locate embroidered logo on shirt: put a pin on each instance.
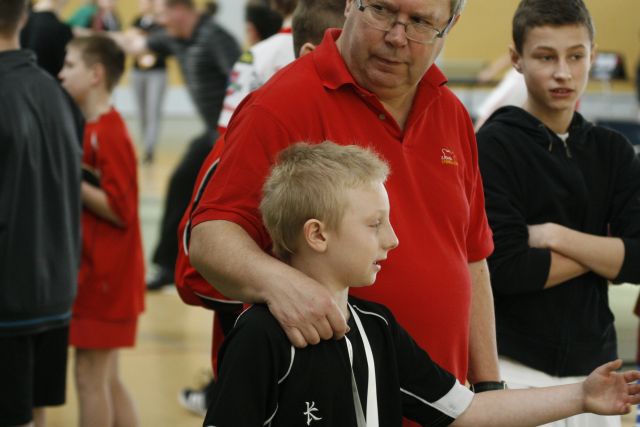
(310, 413)
(448, 157)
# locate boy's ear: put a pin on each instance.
(315, 236)
(515, 59)
(306, 48)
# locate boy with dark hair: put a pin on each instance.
(111, 281)
(311, 19)
(563, 201)
(39, 228)
(327, 211)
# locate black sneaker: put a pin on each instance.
(163, 277)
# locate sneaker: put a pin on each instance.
(163, 277)
(193, 400)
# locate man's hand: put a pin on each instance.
(611, 393)
(306, 311)
(228, 257)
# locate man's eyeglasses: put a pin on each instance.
(417, 30)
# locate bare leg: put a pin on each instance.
(92, 384)
(39, 417)
(124, 410)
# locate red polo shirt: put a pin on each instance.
(435, 190)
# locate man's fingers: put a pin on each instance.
(324, 329)
(631, 376)
(633, 389)
(337, 322)
(295, 337)
(609, 367)
(310, 334)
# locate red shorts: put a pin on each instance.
(96, 334)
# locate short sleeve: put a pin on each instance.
(253, 142)
(117, 165)
(479, 237)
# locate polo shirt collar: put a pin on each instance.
(334, 73)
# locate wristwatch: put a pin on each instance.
(488, 386)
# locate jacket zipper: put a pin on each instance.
(567, 150)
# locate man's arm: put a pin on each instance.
(602, 255)
(604, 392)
(483, 356)
(225, 254)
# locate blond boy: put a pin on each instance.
(327, 211)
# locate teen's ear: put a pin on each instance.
(515, 59)
(98, 74)
(594, 53)
(306, 48)
(315, 236)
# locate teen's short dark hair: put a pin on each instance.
(99, 49)
(11, 11)
(537, 13)
(312, 18)
(189, 4)
(284, 7)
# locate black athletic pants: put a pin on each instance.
(178, 197)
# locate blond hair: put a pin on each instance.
(308, 181)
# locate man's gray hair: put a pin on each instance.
(457, 6)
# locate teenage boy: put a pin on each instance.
(111, 280)
(39, 228)
(563, 200)
(327, 211)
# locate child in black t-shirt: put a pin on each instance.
(327, 211)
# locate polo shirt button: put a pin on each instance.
(382, 117)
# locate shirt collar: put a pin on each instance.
(334, 73)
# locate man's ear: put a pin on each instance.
(515, 59)
(306, 48)
(315, 236)
(347, 7)
(455, 21)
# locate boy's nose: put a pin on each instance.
(392, 241)
(562, 72)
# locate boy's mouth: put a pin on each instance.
(561, 91)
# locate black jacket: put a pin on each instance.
(591, 184)
(264, 380)
(39, 198)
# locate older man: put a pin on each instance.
(372, 84)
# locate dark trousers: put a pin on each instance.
(178, 198)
